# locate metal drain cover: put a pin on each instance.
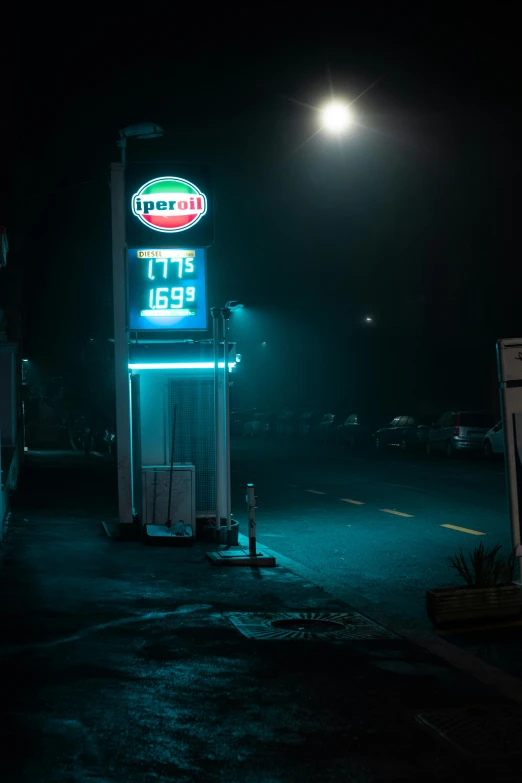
(335, 626)
(482, 732)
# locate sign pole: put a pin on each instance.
(226, 422)
(121, 346)
(218, 423)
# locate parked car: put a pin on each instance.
(92, 436)
(287, 424)
(404, 432)
(459, 431)
(257, 425)
(307, 423)
(494, 441)
(325, 428)
(356, 431)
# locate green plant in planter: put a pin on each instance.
(486, 567)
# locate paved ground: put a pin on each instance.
(372, 526)
(380, 562)
(119, 663)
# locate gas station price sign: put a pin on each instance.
(167, 289)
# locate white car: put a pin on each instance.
(494, 441)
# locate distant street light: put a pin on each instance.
(337, 117)
(368, 319)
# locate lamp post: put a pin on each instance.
(121, 342)
(221, 318)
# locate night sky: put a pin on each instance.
(410, 217)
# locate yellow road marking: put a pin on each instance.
(397, 513)
(315, 492)
(355, 502)
(465, 530)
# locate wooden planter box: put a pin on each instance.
(467, 604)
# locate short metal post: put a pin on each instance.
(251, 502)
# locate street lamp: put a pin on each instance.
(234, 305)
(336, 117)
(221, 317)
(145, 130)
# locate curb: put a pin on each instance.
(506, 684)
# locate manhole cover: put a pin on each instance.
(482, 732)
(312, 626)
(337, 626)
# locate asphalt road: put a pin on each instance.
(376, 529)
(129, 663)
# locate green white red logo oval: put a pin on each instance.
(169, 204)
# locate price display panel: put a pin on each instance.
(167, 289)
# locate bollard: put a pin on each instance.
(251, 502)
(237, 556)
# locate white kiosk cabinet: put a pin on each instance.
(155, 482)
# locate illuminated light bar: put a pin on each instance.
(179, 366)
(172, 313)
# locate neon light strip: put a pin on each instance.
(179, 366)
(172, 313)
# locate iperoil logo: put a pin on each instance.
(169, 204)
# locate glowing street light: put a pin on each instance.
(337, 117)
(234, 305)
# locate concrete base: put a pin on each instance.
(240, 557)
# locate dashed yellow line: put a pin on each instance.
(465, 530)
(355, 502)
(315, 492)
(397, 513)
